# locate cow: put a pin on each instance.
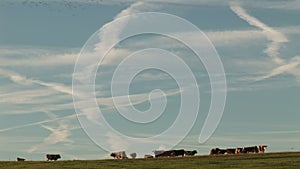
(238, 150)
(168, 153)
(230, 151)
(157, 153)
(190, 153)
(262, 148)
(222, 151)
(20, 159)
(133, 155)
(148, 156)
(252, 149)
(119, 155)
(52, 157)
(216, 151)
(178, 152)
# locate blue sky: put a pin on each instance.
(257, 41)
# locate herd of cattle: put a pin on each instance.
(183, 153)
(244, 150)
(157, 154)
(174, 153)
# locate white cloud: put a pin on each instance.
(17, 78)
(60, 133)
(273, 35)
(135, 99)
(290, 67)
(38, 123)
(116, 142)
(276, 38)
(25, 96)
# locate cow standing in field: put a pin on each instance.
(168, 153)
(190, 153)
(216, 151)
(52, 157)
(252, 149)
(230, 151)
(262, 148)
(20, 159)
(148, 156)
(119, 155)
(157, 153)
(133, 155)
(178, 152)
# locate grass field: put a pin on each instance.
(289, 160)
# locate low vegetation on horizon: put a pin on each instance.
(287, 160)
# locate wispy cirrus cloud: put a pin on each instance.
(36, 56)
(60, 133)
(292, 67)
(277, 38)
(19, 79)
(273, 35)
(73, 116)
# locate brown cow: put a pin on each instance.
(148, 156)
(262, 148)
(119, 155)
(238, 150)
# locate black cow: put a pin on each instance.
(20, 159)
(158, 153)
(52, 157)
(252, 149)
(169, 153)
(216, 151)
(230, 151)
(133, 155)
(178, 152)
(190, 153)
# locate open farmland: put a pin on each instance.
(288, 160)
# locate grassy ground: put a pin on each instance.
(247, 161)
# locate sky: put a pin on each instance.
(257, 43)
